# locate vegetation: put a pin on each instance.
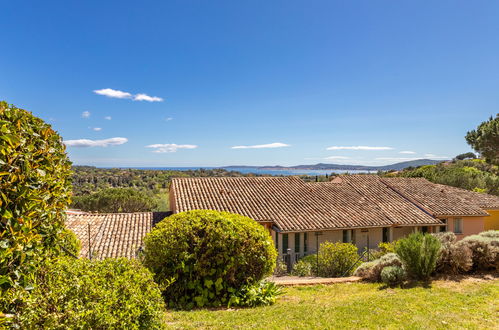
(34, 193)
(470, 304)
(371, 271)
(455, 257)
(419, 254)
(485, 249)
(79, 293)
(337, 259)
(485, 140)
(393, 275)
(473, 174)
(114, 200)
(206, 258)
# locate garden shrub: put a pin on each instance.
(419, 254)
(485, 250)
(80, 293)
(69, 243)
(281, 269)
(262, 293)
(306, 266)
(34, 193)
(371, 271)
(493, 234)
(454, 256)
(202, 258)
(384, 248)
(337, 259)
(393, 275)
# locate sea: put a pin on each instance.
(256, 170)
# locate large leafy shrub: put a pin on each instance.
(419, 254)
(34, 193)
(455, 257)
(485, 250)
(337, 259)
(82, 294)
(114, 200)
(202, 258)
(262, 293)
(371, 271)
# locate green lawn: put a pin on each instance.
(446, 304)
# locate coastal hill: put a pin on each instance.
(322, 166)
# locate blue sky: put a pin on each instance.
(288, 78)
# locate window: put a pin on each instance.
(305, 241)
(297, 242)
(458, 225)
(277, 241)
(386, 232)
(424, 229)
(348, 236)
(285, 243)
(444, 227)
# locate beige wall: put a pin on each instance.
(471, 226)
(400, 232)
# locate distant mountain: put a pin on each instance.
(322, 166)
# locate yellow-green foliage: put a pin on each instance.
(82, 294)
(34, 192)
(337, 259)
(419, 254)
(203, 258)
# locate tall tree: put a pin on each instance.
(485, 140)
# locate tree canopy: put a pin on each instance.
(485, 140)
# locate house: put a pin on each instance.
(362, 209)
(111, 235)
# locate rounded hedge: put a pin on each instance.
(203, 258)
(83, 294)
(34, 192)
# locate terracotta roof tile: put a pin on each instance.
(112, 234)
(292, 204)
(440, 200)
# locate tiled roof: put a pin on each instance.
(290, 203)
(393, 205)
(112, 234)
(438, 199)
(485, 201)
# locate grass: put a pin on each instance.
(445, 304)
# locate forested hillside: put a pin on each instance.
(93, 187)
(473, 174)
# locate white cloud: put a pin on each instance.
(263, 146)
(145, 97)
(85, 114)
(436, 157)
(400, 159)
(168, 118)
(113, 93)
(407, 152)
(97, 129)
(84, 143)
(170, 147)
(108, 118)
(336, 158)
(358, 148)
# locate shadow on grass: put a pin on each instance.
(408, 285)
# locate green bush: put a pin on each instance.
(384, 248)
(393, 275)
(371, 271)
(306, 266)
(337, 259)
(455, 257)
(485, 250)
(202, 258)
(69, 243)
(34, 193)
(115, 200)
(419, 254)
(82, 294)
(281, 269)
(262, 293)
